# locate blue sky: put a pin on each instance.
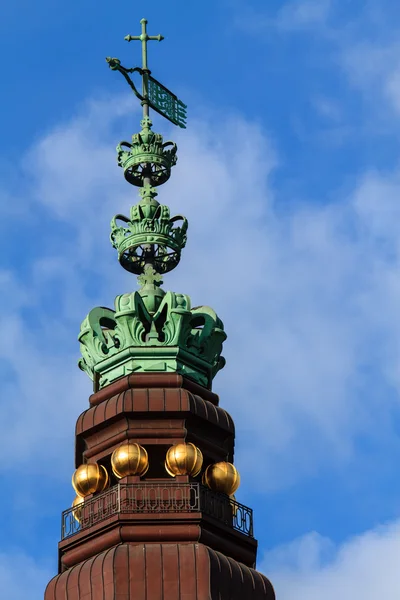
(289, 176)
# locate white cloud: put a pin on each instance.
(373, 66)
(327, 108)
(365, 43)
(359, 41)
(312, 567)
(291, 17)
(303, 14)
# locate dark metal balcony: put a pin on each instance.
(157, 498)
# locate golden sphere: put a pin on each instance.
(77, 513)
(183, 459)
(222, 477)
(89, 479)
(129, 459)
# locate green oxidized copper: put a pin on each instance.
(149, 235)
(166, 103)
(154, 93)
(147, 148)
(150, 330)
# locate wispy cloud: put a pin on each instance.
(327, 108)
(303, 14)
(373, 66)
(21, 576)
(298, 15)
(312, 567)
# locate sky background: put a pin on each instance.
(289, 175)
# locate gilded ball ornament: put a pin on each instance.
(222, 477)
(89, 479)
(77, 512)
(129, 459)
(183, 459)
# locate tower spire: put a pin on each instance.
(155, 514)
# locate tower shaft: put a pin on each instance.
(154, 538)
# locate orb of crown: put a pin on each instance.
(149, 235)
(147, 156)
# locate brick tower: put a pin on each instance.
(155, 516)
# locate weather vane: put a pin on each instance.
(154, 94)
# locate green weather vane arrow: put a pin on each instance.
(154, 94)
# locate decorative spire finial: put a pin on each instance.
(150, 330)
(144, 38)
(154, 94)
(150, 236)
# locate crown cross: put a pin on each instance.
(150, 277)
(144, 38)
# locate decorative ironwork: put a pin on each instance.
(150, 234)
(149, 498)
(227, 510)
(159, 97)
(154, 93)
(168, 105)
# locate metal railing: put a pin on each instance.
(157, 498)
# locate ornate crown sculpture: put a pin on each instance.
(147, 152)
(150, 330)
(150, 235)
